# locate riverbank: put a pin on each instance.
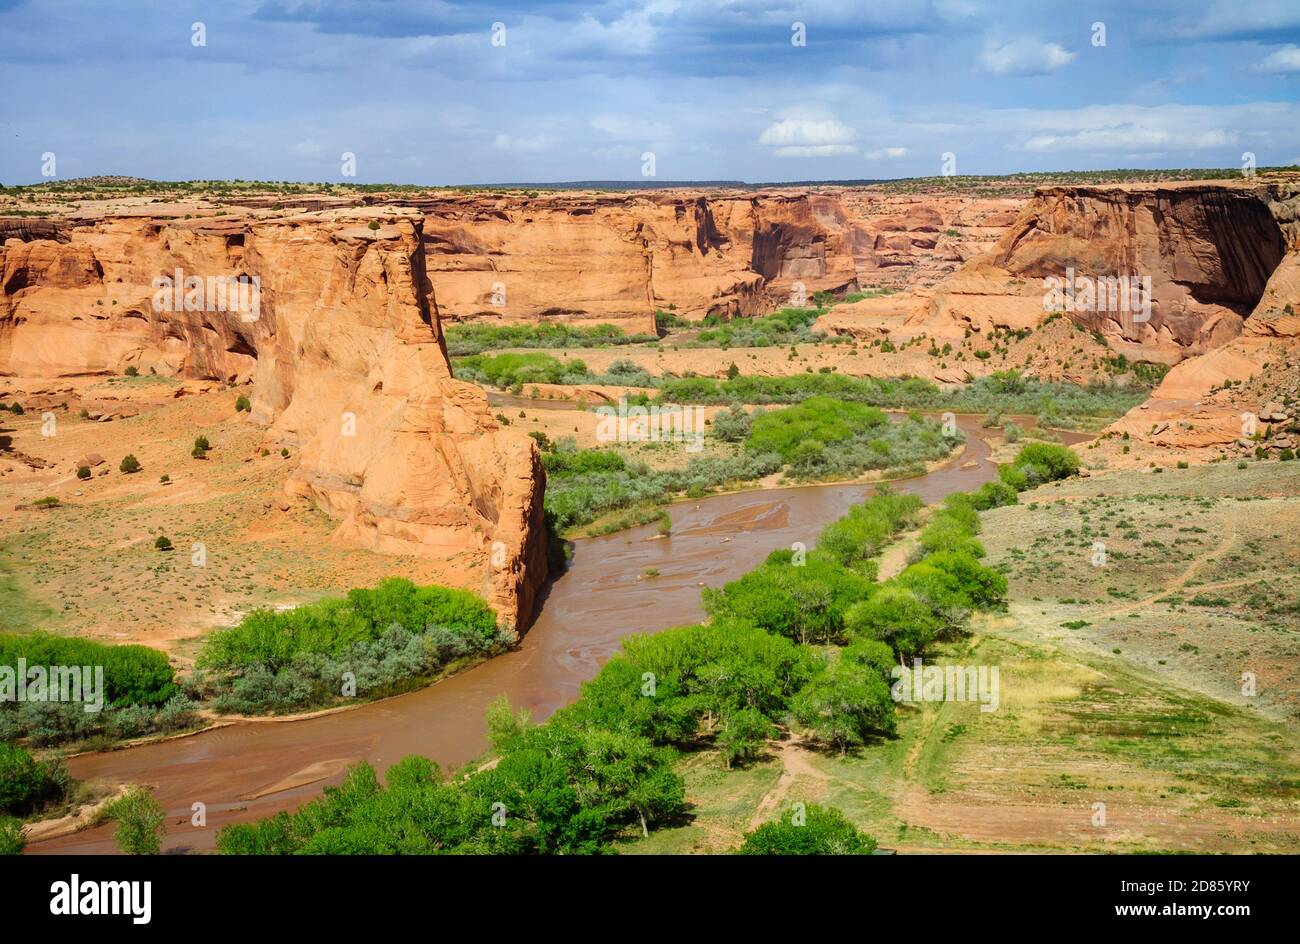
(584, 616)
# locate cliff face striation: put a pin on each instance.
(1204, 254)
(616, 258)
(342, 344)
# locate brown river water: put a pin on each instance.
(250, 770)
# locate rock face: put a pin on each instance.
(1217, 402)
(1208, 249)
(344, 348)
(616, 258)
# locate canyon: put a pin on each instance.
(345, 363)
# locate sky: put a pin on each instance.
(463, 91)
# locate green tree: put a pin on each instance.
(820, 831)
(897, 617)
(845, 706)
(140, 819)
(744, 732)
(129, 464)
(26, 783)
(12, 839)
(805, 602)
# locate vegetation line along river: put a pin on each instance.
(248, 771)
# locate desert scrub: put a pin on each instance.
(49, 723)
(582, 486)
(378, 641)
(787, 326)
(465, 339)
(1060, 404)
(822, 438)
(511, 370)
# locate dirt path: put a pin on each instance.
(1229, 535)
(795, 764)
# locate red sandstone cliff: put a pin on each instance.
(1209, 250)
(345, 353)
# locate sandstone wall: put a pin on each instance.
(1209, 250)
(616, 258)
(346, 357)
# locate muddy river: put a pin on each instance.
(251, 770)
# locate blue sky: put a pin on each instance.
(418, 91)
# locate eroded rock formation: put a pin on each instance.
(1208, 250)
(345, 354)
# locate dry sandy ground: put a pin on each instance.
(89, 565)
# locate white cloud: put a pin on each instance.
(1130, 138)
(890, 152)
(635, 129)
(530, 145)
(1228, 18)
(1023, 57)
(1286, 59)
(1123, 129)
(807, 131)
(809, 137)
(815, 150)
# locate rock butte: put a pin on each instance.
(351, 316)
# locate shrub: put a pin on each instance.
(718, 672)
(825, 831)
(163, 543)
(804, 429)
(508, 370)
(862, 534)
(12, 840)
(733, 425)
(132, 372)
(994, 495)
(25, 783)
(1050, 461)
(140, 819)
(132, 674)
(242, 404)
(982, 586)
(83, 471)
(129, 464)
(389, 637)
